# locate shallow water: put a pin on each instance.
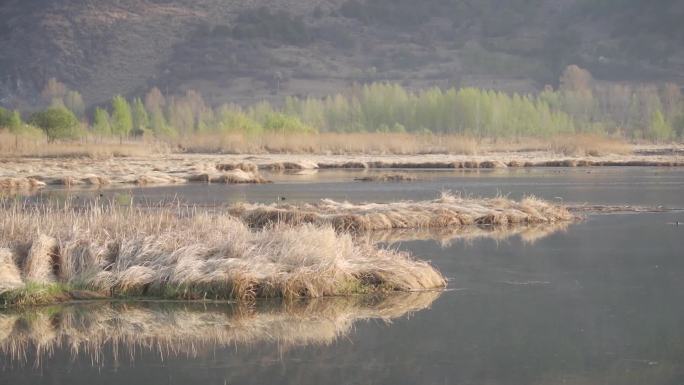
(614, 185)
(598, 302)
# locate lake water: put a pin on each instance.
(600, 302)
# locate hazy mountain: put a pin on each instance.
(241, 51)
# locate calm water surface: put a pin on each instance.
(601, 302)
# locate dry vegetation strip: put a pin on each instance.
(48, 253)
(189, 329)
(22, 173)
(321, 143)
(447, 211)
(30, 174)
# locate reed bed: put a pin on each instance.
(120, 328)
(189, 254)
(448, 211)
(94, 148)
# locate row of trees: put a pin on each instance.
(580, 104)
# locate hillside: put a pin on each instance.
(242, 51)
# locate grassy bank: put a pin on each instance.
(53, 254)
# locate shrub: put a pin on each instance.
(57, 123)
(281, 123)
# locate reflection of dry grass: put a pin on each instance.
(183, 253)
(189, 329)
(446, 236)
(447, 211)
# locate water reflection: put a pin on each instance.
(528, 234)
(32, 336)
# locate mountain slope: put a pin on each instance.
(242, 51)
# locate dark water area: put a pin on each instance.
(600, 302)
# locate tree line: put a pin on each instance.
(578, 105)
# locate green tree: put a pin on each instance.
(101, 122)
(660, 129)
(285, 124)
(679, 126)
(14, 122)
(122, 118)
(74, 101)
(158, 124)
(4, 118)
(141, 120)
(57, 123)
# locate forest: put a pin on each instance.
(579, 105)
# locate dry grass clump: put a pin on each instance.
(20, 183)
(10, 276)
(184, 253)
(447, 211)
(235, 176)
(42, 260)
(189, 329)
(244, 166)
(387, 178)
(290, 166)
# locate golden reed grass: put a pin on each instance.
(400, 144)
(92, 329)
(321, 143)
(190, 254)
(447, 211)
(20, 146)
